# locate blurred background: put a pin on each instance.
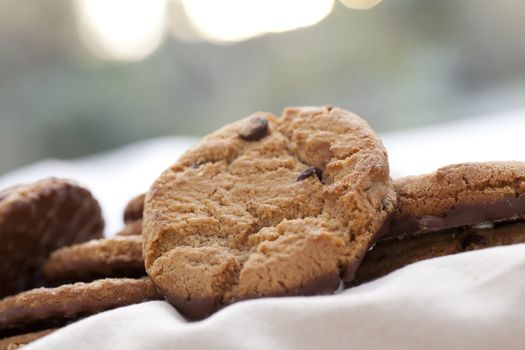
(83, 76)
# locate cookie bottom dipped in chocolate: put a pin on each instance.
(508, 209)
(393, 253)
(199, 308)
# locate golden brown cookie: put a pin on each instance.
(42, 307)
(267, 206)
(392, 253)
(37, 219)
(17, 341)
(119, 256)
(459, 195)
(134, 209)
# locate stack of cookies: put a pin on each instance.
(267, 206)
(56, 267)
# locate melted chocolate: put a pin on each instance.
(200, 308)
(509, 208)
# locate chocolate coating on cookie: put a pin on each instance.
(254, 128)
(37, 219)
(199, 308)
(241, 225)
(460, 195)
(507, 209)
(392, 253)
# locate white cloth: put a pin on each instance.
(468, 301)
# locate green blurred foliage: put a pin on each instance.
(402, 64)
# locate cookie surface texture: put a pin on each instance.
(119, 256)
(459, 195)
(37, 219)
(267, 206)
(43, 307)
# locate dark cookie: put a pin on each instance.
(134, 209)
(37, 219)
(242, 226)
(102, 258)
(39, 308)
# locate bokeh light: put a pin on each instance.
(360, 4)
(124, 30)
(235, 20)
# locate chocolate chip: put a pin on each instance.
(310, 171)
(254, 129)
(198, 164)
(472, 238)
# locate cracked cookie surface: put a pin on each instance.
(267, 206)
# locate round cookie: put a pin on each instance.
(133, 228)
(37, 219)
(42, 307)
(267, 206)
(134, 209)
(459, 195)
(18, 341)
(119, 256)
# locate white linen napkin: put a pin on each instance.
(473, 300)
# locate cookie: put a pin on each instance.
(133, 228)
(102, 258)
(134, 209)
(37, 219)
(392, 254)
(267, 206)
(457, 208)
(18, 341)
(43, 308)
(459, 195)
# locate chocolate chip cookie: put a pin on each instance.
(459, 195)
(100, 258)
(44, 308)
(455, 209)
(37, 219)
(267, 206)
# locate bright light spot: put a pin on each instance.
(360, 4)
(235, 20)
(126, 30)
